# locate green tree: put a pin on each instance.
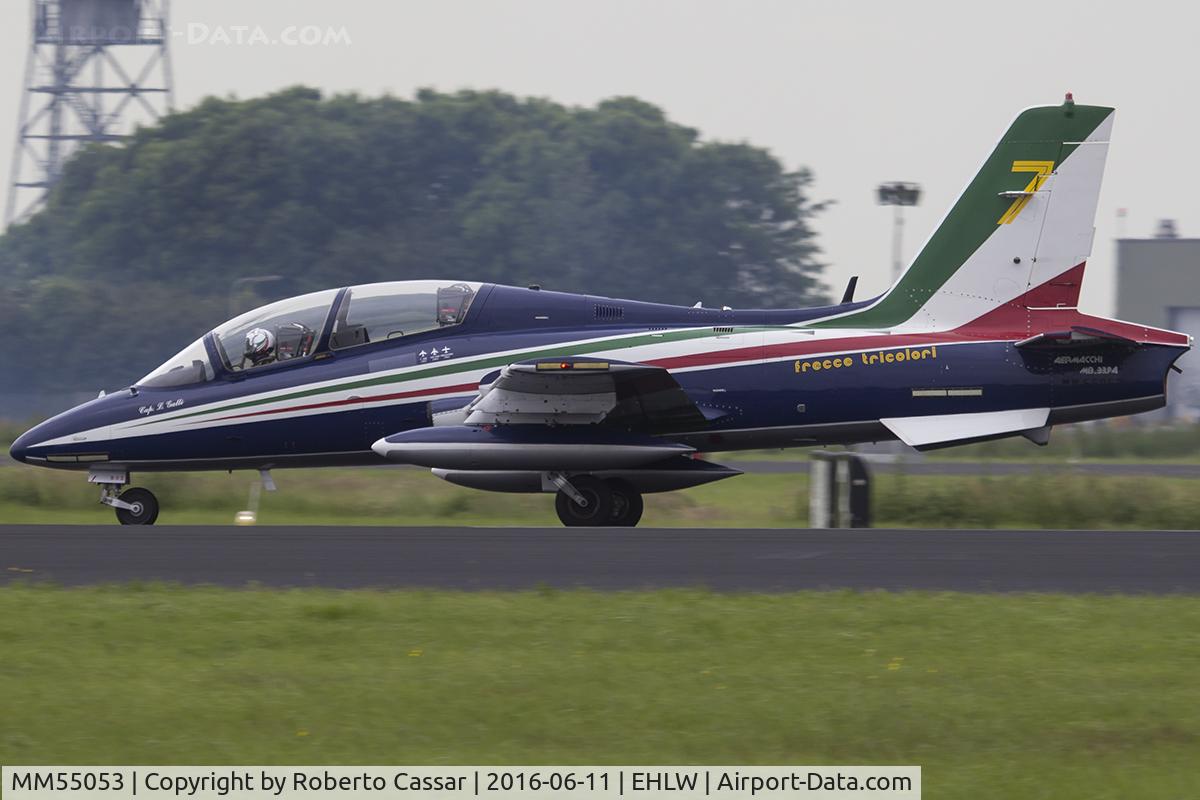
(136, 249)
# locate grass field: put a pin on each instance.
(1044, 498)
(996, 696)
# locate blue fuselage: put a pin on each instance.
(761, 381)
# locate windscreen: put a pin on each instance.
(189, 365)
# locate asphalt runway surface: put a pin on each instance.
(513, 558)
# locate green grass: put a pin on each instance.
(1029, 696)
(373, 497)
(1043, 498)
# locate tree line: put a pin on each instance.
(141, 247)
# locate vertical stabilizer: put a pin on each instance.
(1025, 221)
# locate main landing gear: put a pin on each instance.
(586, 501)
(133, 506)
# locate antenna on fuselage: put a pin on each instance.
(848, 295)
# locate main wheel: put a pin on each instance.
(145, 507)
(599, 503)
(626, 504)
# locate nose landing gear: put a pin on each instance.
(137, 507)
(133, 506)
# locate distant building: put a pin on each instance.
(1158, 283)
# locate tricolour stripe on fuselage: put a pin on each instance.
(714, 352)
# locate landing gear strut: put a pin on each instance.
(587, 501)
(584, 501)
(133, 506)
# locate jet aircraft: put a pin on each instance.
(602, 400)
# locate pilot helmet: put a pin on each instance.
(260, 345)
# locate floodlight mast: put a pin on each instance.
(898, 195)
(88, 79)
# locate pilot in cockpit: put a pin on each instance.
(289, 340)
(260, 348)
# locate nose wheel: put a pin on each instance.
(133, 506)
(141, 507)
(587, 501)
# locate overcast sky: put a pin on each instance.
(858, 92)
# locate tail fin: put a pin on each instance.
(1025, 221)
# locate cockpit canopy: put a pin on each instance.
(277, 332)
(374, 312)
(292, 328)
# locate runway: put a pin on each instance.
(512, 558)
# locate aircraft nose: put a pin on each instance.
(27, 444)
(20, 448)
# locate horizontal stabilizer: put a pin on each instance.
(934, 430)
(1107, 336)
(1078, 335)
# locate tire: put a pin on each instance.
(145, 510)
(627, 504)
(599, 507)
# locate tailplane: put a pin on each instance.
(1024, 223)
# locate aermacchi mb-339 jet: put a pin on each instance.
(602, 400)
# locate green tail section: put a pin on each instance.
(1038, 139)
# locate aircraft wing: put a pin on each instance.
(941, 430)
(570, 413)
(579, 391)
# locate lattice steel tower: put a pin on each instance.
(95, 69)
